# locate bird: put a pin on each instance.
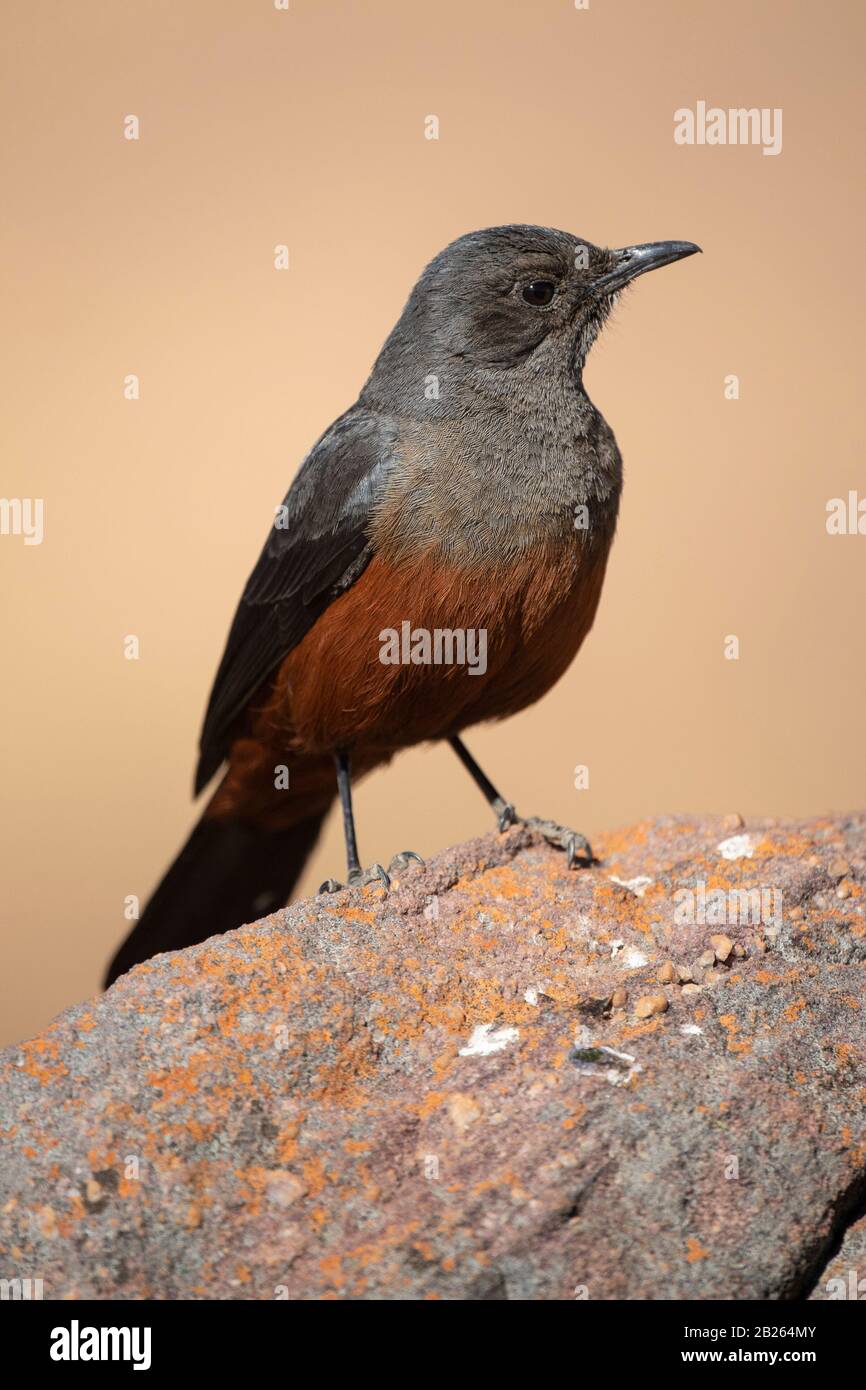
(437, 562)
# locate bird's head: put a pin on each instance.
(519, 296)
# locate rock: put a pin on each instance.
(722, 947)
(667, 974)
(356, 1098)
(651, 1004)
(844, 1278)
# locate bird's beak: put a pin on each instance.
(632, 261)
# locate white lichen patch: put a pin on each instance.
(737, 847)
(638, 885)
(629, 956)
(485, 1039)
(633, 959)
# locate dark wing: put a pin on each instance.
(317, 547)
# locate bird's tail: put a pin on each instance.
(229, 872)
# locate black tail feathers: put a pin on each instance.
(227, 873)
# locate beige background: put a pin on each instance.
(259, 127)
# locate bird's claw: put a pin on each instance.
(403, 860)
(577, 842)
(506, 815)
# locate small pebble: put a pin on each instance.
(283, 1188)
(619, 998)
(47, 1221)
(838, 868)
(739, 951)
(691, 989)
(734, 821)
(696, 973)
(722, 947)
(667, 974)
(706, 959)
(843, 890)
(463, 1110)
(684, 974)
(651, 1004)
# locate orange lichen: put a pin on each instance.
(41, 1060)
(695, 1251)
(793, 1011)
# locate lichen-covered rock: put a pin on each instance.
(453, 1091)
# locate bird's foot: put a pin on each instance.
(576, 846)
(359, 878)
(376, 873)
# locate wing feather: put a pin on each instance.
(318, 547)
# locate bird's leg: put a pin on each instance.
(560, 836)
(356, 875)
(344, 784)
(503, 810)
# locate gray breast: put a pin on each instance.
(491, 485)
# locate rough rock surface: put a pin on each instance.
(501, 1081)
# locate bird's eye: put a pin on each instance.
(539, 292)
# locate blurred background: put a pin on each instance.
(306, 127)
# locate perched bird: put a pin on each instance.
(437, 561)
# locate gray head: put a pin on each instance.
(518, 299)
